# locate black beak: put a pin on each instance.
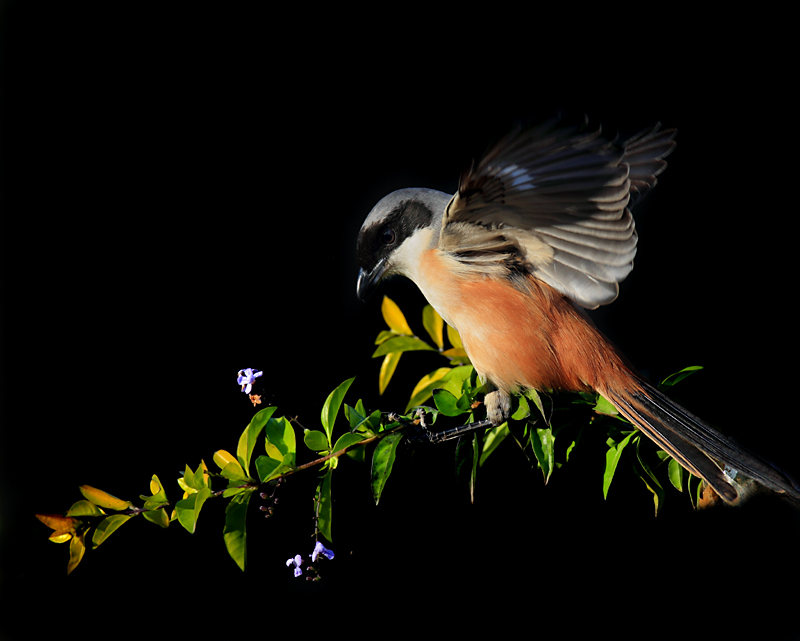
(368, 280)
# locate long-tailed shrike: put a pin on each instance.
(540, 229)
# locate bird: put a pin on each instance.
(539, 230)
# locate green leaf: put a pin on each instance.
(402, 344)
(186, 483)
(159, 517)
(384, 335)
(573, 444)
(677, 377)
(158, 496)
(331, 407)
(382, 462)
(104, 499)
(612, 458)
(533, 395)
(188, 509)
(676, 474)
(233, 472)
(698, 493)
(107, 527)
(467, 462)
(353, 415)
(388, 367)
(543, 443)
(316, 440)
(247, 441)
(649, 479)
(235, 531)
(604, 406)
(224, 458)
(394, 317)
(359, 421)
(268, 468)
(459, 379)
(434, 325)
(493, 438)
(195, 480)
(523, 411)
(84, 508)
(324, 512)
(448, 404)
(346, 440)
(280, 439)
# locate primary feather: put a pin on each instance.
(555, 201)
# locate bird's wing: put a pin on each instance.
(555, 201)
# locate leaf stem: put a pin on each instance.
(344, 450)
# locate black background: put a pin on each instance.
(182, 191)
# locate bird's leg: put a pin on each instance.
(455, 432)
(425, 434)
(498, 409)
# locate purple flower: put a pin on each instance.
(246, 379)
(321, 549)
(296, 562)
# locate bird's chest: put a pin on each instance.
(505, 331)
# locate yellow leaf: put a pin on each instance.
(453, 337)
(76, 550)
(222, 458)
(388, 366)
(186, 489)
(55, 537)
(430, 378)
(155, 486)
(455, 352)
(394, 317)
(104, 499)
(433, 325)
(424, 389)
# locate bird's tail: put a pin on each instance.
(695, 445)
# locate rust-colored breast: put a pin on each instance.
(521, 336)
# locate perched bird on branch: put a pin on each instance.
(539, 230)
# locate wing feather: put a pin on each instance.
(555, 200)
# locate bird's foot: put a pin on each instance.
(498, 407)
(455, 432)
(422, 433)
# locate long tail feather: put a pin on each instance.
(697, 446)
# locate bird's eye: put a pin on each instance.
(387, 236)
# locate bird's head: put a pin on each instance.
(396, 231)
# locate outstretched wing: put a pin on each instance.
(555, 201)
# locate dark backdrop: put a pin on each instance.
(182, 191)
